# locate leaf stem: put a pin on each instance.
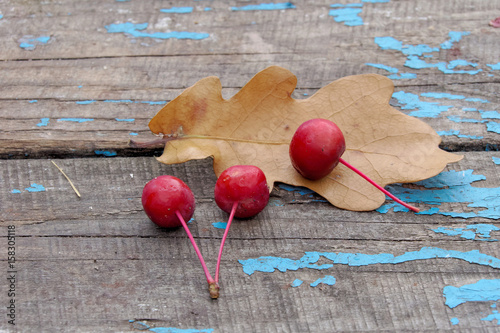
(231, 216)
(415, 209)
(212, 284)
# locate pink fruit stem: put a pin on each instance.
(231, 216)
(415, 209)
(196, 249)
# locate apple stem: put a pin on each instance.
(415, 209)
(213, 287)
(231, 216)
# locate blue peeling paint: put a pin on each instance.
(177, 10)
(442, 95)
(481, 231)
(118, 101)
(133, 133)
(1, 16)
(452, 97)
(347, 14)
(454, 321)
(15, 191)
(220, 225)
(481, 291)
(33, 101)
(35, 188)
(457, 134)
(43, 122)
(144, 326)
(296, 283)
(455, 37)
(76, 120)
(266, 6)
(395, 72)
(493, 126)
(402, 76)
(125, 119)
(489, 114)
(107, 153)
(384, 67)
(411, 101)
(29, 43)
(328, 279)
(90, 101)
(458, 119)
(135, 30)
(450, 187)
(494, 316)
(496, 160)
(268, 264)
(446, 67)
(415, 52)
(391, 43)
(154, 102)
(179, 330)
(494, 67)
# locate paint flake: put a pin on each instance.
(328, 280)
(135, 30)
(268, 264)
(481, 291)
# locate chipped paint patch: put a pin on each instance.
(347, 14)
(269, 264)
(481, 232)
(30, 43)
(457, 134)
(136, 30)
(296, 283)
(395, 72)
(107, 153)
(177, 10)
(328, 280)
(43, 122)
(143, 326)
(450, 187)
(76, 120)
(35, 188)
(481, 291)
(219, 225)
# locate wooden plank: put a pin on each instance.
(101, 252)
(108, 118)
(116, 76)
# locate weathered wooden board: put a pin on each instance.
(84, 71)
(95, 263)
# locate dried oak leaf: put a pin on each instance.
(256, 125)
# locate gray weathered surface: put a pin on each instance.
(97, 264)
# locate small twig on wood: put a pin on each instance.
(69, 180)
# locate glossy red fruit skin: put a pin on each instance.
(163, 196)
(316, 148)
(245, 184)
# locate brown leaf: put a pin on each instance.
(256, 125)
